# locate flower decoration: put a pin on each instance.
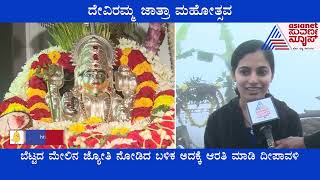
(158, 134)
(152, 124)
(77, 128)
(146, 83)
(119, 131)
(37, 89)
(93, 121)
(13, 104)
(163, 101)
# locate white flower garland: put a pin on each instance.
(51, 126)
(163, 75)
(126, 43)
(118, 141)
(103, 128)
(106, 128)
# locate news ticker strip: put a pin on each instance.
(161, 163)
(37, 137)
(198, 156)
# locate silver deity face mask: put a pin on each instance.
(93, 57)
(94, 77)
(95, 82)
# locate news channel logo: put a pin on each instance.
(293, 36)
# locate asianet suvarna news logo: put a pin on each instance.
(293, 36)
(37, 137)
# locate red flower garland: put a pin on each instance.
(135, 57)
(38, 83)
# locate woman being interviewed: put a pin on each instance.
(229, 126)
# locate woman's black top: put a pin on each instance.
(226, 128)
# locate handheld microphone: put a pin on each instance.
(267, 132)
(261, 113)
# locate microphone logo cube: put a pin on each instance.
(261, 111)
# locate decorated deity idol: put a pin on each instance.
(94, 94)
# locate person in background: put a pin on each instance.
(230, 126)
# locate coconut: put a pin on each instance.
(14, 121)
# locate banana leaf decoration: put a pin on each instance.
(67, 34)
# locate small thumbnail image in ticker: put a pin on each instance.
(37, 137)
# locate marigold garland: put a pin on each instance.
(54, 56)
(138, 58)
(77, 128)
(39, 105)
(15, 107)
(142, 112)
(93, 121)
(36, 92)
(37, 114)
(124, 58)
(151, 84)
(143, 71)
(37, 89)
(13, 104)
(35, 99)
(143, 102)
(163, 100)
(146, 76)
(120, 131)
(32, 72)
(146, 92)
(142, 68)
(37, 83)
(138, 118)
(47, 120)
